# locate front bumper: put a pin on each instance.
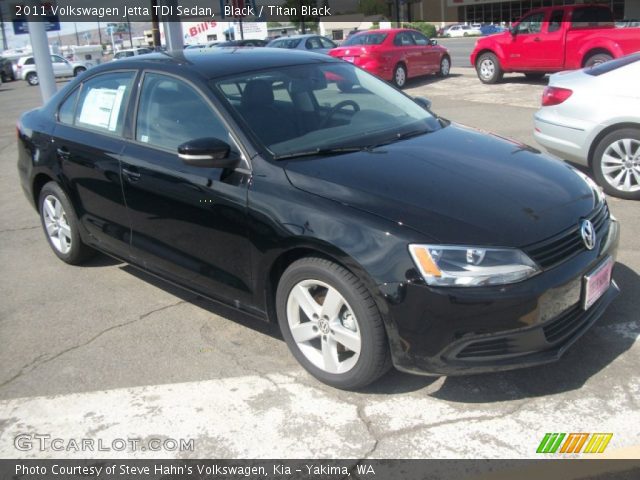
(445, 331)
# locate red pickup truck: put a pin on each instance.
(552, 39)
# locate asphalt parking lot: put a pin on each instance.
(106, 352)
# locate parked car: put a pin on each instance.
(628, 23)
(6, 70)
(461, 31)
(131, 52)
(553, 39)
(592, 117)
(242, 43)
(195, 45)
(311, 42)
(491, 29)
(372, 231)
(395, 54)
(62, 67)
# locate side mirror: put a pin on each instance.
(423, 102)
(207, 153)
(433, 42)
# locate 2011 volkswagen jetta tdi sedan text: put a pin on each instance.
(374, 232)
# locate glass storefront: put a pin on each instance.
(510, 11)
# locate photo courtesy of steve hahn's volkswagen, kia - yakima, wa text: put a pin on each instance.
(293, 239)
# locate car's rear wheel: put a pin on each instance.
(61, 226)
(445, 67)
(597, 59)
(32, 79)
(488, 68)
(331, 324)
(400, 75)
(616, 163)
(78, 70)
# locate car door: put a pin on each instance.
(527, 49)
(61, 68)
(188, 223)
(88, 141)
(411, 54)
(430, 56)
(552, 55)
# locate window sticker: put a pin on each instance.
(101, 107)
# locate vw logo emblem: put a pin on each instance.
(588, 234)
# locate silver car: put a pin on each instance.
(311, 42)
(592, 117)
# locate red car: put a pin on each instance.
(395, 55)
(552, 39)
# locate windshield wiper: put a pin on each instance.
(321, 151)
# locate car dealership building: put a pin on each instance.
(492, 11)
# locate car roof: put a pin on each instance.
(295, 37)
(220, 62)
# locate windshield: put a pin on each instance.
(322, 106)
(365, 39)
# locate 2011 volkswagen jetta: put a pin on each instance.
(373, 231)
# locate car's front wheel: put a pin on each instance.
(445, 67)
(78, 71)
(61, 226)
(331, 324)
(616, 163)
(488, 68)
(32, 79)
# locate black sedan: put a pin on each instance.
(374, 232)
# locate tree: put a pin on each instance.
(374, 7)
(310, 22)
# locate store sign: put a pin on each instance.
(22, 12)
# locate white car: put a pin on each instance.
(26, 68)
(461, 31)
(132, 52)
(592, 117)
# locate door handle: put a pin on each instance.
(132, 174)
(537, 39)
(63, 153)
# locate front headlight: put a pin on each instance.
(463, 266)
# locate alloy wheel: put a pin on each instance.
(400, 76)
(445, 66)
(55, 221)
(323, 326)
(487, 69)
(621, 165)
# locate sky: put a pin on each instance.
(17, 41)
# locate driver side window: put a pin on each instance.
(531, 24)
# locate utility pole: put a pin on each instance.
(99, 33)
(4, 35)
(155, 20)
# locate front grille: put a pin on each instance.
(486, 348)
(565, 245)
(564, 325)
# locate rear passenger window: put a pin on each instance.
(172, 112)
(68, 108)
(103, 100)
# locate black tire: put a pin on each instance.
(78, 252)
(32, 79)
(445, 66)
(78, 70)
(488, 68)
(633, 162)
(597, 59)
(399, 76)
(535, 76)
(374, 357)
(3, 77)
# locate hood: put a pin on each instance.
(456, 185)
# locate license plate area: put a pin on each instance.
(596, 283)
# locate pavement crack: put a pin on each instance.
(9, 230)
(44, 359)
